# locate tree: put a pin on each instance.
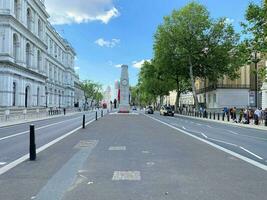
(92, 91)
(203, 47)
(169, 62)
(152, 83)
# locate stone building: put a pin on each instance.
(36, 63)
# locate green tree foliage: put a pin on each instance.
(152, 83)
(192, 45)
(92, 91)
(255, 31)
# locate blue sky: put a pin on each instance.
(107, 33)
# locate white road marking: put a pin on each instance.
(90, 183)
(204, 135)
(2, 163)
(248, 160)
(42, 127)
(145, 152)
(184, 128)
(221, 141)
(117, 148)
(150, 164)
(126, 176)
(251, 153)
(208, 126)
(233, 132)
(42, 148)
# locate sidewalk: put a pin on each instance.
(251, 126)
(27, 120)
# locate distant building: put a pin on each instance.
(36, 64)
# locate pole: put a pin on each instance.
(32, 143)
(83, 121)
(101, 113)
(96, 115)
(256, 80)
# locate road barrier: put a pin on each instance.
(32, 143)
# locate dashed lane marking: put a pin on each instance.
(2, 163)
(255, 155)
(246, 159)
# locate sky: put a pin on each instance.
(108, 33)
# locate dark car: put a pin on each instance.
(166, 110)
(149, 110)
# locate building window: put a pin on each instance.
(27, 96)
(15, 47)
(40, 28)
(39, 61)
(38, 96)
(14, 94)
(17, 9)
(28, 55)
(29, 19)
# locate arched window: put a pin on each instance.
(39, 28)
(15, 47)
(28, 55)
(29, 19)
(17, 9)
(14, 94)
(39, 61)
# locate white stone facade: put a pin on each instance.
(36, 64)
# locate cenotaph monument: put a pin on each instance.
(124, 106)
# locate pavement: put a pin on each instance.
(261, 126)
(126, 157)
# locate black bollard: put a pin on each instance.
(223, 116)
(265, 119)
(64, 110)
(210, 115)
(218, 116)
(83, 121)
(32, 143)
(214, 116)
(96, 115)
(101, 113)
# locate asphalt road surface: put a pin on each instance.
(14, 140)
(135, 157)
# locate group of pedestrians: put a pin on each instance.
(247, 115)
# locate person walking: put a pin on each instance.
(241, 114)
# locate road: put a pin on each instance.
(14, 140)
(251, 143)
(126, 157)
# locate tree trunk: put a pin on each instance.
(177, 95)
(193, 83)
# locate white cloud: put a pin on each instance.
(138, 64)
(106, 43)
(229, 21)
(81, 11)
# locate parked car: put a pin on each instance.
(149, 110)
(166, 110)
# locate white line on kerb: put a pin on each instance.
(42, 148)
(248, 160)
(2, 163)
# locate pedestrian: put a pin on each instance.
(257, 116)
(234, 114)
(241, 114)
